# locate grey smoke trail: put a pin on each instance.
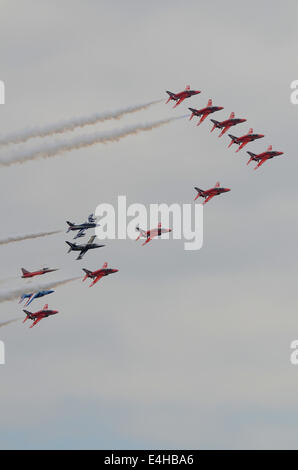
(14, 294)
(78, 142)
(9, 321)
(71, 124)
(28, 236)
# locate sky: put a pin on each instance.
(179, 349)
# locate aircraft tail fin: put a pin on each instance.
(192, 113)
(233, 140)
(252, 157)
(23, 297)
(215, 124)
(87, 274)
(24, 271)
(201, 193)
(70, 224)
(140, 233)
(71, 246)
(28, 315)
(171, 95)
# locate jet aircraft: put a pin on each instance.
(38, 316)
(210, 193)
(244, 139)
(182, 95)
(83, 248)
(204, 112)
(225, 125)
(34, 296)
(263, 157)
(97, 275)
(27, 274)
(149, 234)
(81, 228)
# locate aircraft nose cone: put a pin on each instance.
(227, 189)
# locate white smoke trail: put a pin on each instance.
(28, 236)
(9, 321)
(71, 124)
(14, 294)
(78, 142)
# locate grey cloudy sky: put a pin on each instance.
(179, 349)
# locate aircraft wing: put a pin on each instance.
(225, 129)
(82, 252)
(35, 322)
(202, 119)
(31, 298)
(208, 199)
(260, 163)
(241, 146)
(147, 241)
(142, 233)
(178, 102)
(96, 279)
(80, 233)
(91, 240)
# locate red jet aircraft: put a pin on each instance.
(263, 157)
(149, 234)
(36, 273)
(225, 125)
(97, 275)
(204, 112)
(37, 316)
(179, 97)
(210, 193)
(244, 139)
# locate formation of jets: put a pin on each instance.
(30, 297)
(148, 235)
(224, 126)
(96, 275)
